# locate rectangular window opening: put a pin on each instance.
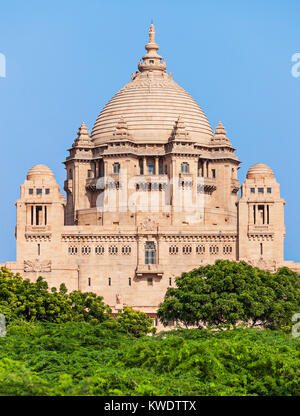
(38, 215)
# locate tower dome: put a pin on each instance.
(150, 104)
(260, 171)
(38, 172)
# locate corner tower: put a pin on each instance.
(40, 216)
(261, 229)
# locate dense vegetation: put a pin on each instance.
(23, 300)
(80, 358)
(229, 293)
(68, 344)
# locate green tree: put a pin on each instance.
(22, 299)
(228, 293)
(135, 322)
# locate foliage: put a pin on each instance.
(134, 322)
(228, 293)
(83, 358)
(22, 299)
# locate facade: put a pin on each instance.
(150, 193)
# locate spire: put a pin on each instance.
(121, 131)
(179, 131)
(152, 61)
(220, 135)
(83, 139)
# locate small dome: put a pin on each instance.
(259, 171)
(39, 171)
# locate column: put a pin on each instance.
(144, 165)
(156, 165)
(34, 214)
(95, 169)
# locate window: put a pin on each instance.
(170, 281)
(151, 61)
(90, 173)
(261, 214)
(141, 167)
(126, 250)
(260, 190)
(99, 250)
(185, 167)
(116, 168)
(187, 249)
(85, 250)
(39, 191)
(214, 249)
(129, 281)
(70, 174)
(113, 250)
(200, 249)
(109, 281)
(30, 191)
(213, 173)
(150, 281)
(173, 249)
(73, 250)
(227, 249)
(149, 252)
(269, 190)
(252, 190)
(261, 249)
(89, 281)
(39, 249)
(38, 215)
(160, 167)
(47, 191)
(151, 168)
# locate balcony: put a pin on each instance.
(91, 184)
(260, 229)
(68, 185)
(235, 186)
(148, 269)
(37, 228)
(206, 185)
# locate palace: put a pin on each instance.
(150, 193)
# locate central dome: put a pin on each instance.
(150, 104)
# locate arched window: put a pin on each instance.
(149, 252)
(116, 167)
(185, 167)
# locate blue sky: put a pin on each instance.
(66, 59)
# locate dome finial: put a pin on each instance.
(152, 33)
(152, 61)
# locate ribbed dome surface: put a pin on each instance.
(39, 170)
(150, 106)
(260, 170)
